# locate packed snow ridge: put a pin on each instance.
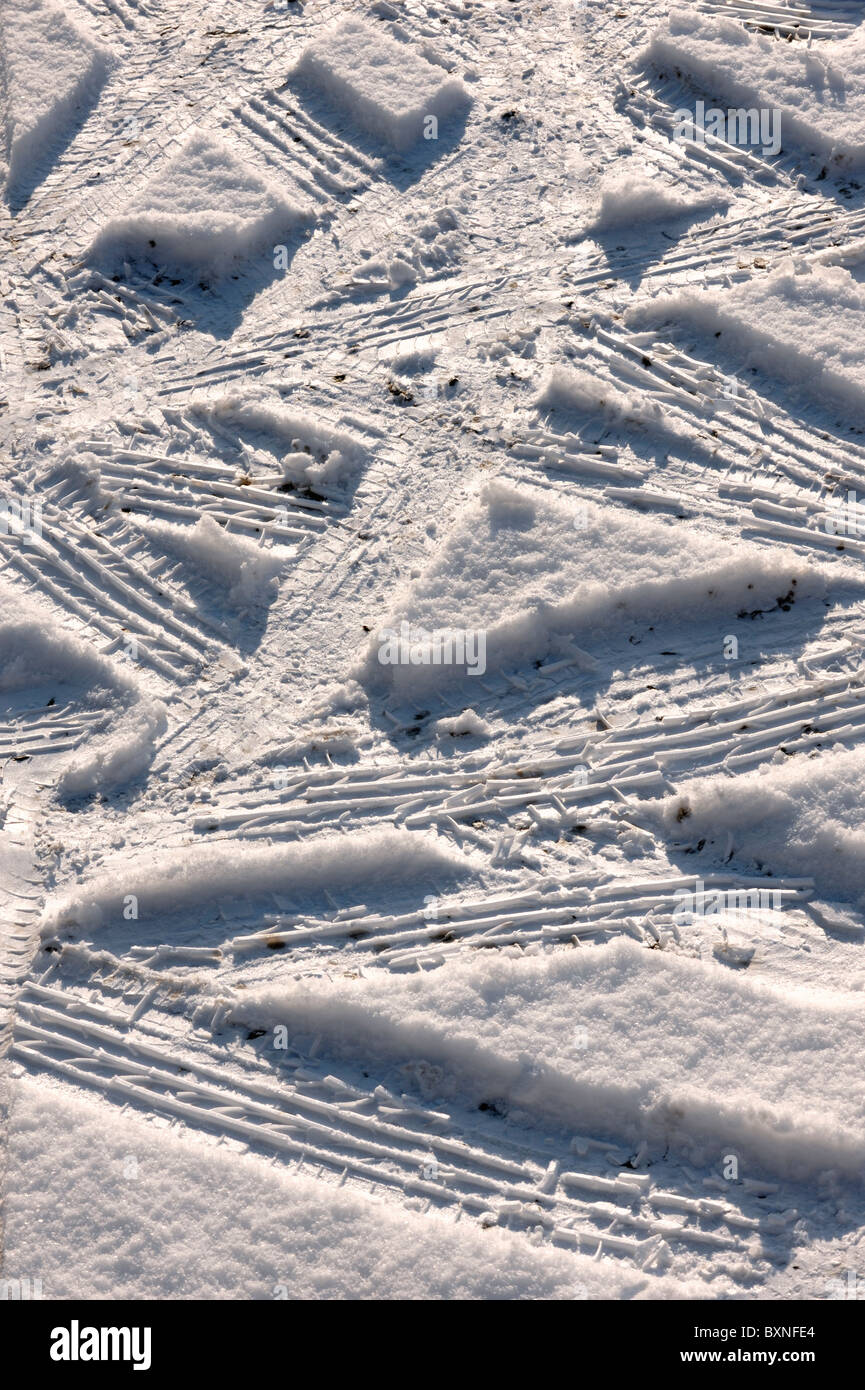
(629, 197)
(36, 654)
(246, 571)
(819, 89)
(800, 815)
(51, 72)
(250, 1229)
(801, 322)
(184, 878)
(310, 451)
(679, 1055)
(566, 390)
(384, 85)
(526, 576)
(206, 210)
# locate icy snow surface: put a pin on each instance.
(431, 632)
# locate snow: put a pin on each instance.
(522, 578)
(35, 651)
(386, 86)
(575, 389)
(819, 89)
(207, 1224)
(803, 815)
(462, 725)
(800, 322)
(236, 562)
(37, 656)
(181, 879)
(424, 249)
(119, 758)
(628, 197)
(416, 627)
(206, 210)
(53, 71)
(635, 1043)
(310, 451)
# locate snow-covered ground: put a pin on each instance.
(431, 618)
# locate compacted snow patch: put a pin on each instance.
(388, 88)
(803, 322)
(52, 70)
(628, 197)
(123, 754)
(520, 576)
(309, 451)
(34, 651)
(804, 815)
(616, 1040)
(205, 211)
(819, 89)
(574, 389)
